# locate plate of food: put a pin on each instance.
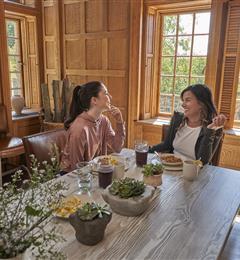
(170, 159)
(68, 206)
(111, 160)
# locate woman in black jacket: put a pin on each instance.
(195, 133)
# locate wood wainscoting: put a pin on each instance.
(230, 151)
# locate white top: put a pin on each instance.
(185, 141)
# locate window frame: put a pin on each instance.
(160, 15)
(20, 21)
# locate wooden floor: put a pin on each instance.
(232, 248)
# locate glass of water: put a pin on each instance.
(84, 173)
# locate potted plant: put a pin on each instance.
(152, 174)
(128, 197)
(25, 211)
(90, 222)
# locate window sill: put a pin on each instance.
(155, 121)
(163, 121)
(26, 113)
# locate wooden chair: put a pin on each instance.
(216, 153)
(9, 146)
(40, 144)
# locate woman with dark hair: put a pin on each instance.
(88, 131)
(195, 133)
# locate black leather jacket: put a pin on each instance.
(207, 141)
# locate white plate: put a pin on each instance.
(115, 157)
(168, 163)
(173, 168)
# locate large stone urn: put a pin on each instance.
(17, 104)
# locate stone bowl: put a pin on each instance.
(130, 207)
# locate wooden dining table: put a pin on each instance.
(185, 219)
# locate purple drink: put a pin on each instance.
(105, 174)
(141, 158)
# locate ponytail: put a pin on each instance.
(81, 100)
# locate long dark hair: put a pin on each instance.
(204, 97)
(81, 99)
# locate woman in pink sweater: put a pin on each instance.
(89, 133)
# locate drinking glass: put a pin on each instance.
(141, 151)
(84, 173)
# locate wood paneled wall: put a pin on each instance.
(94, 40)
(51, 43)
(95, 45)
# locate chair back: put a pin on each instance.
(3, 116)
(165, 129)
(41, 145)
(217, 151)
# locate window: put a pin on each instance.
(237, 110)
(183, 55)
(23, 57)
(15, 56)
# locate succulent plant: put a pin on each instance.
(152, 169)
(90, 211)
(127, 188)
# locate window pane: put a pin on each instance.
(166, 90)
(185, 24)
(197, 80)
(184, 45)
(166, 103)
(30, 3)
(12, 28)
(182, 66)
(198, 66)
(177, 103)
(166, 85)
(13, 46)
(169, 44)
(167, 67)
(200, 45)
(15, 63)
(180, 84)
(169, 25)
(16, 81)
(202, 22)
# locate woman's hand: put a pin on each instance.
(116, 113)
(217, 122)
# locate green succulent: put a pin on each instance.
(152, 169)
(127, 188)
(90, 211)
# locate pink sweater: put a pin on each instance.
(88, 138)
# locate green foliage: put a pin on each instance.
(152, 169)
(90, 211)
(127, 188)
(10, 33)
(25, 212)
(182, 63)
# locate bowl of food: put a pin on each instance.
(170, 159)
(128, 197)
